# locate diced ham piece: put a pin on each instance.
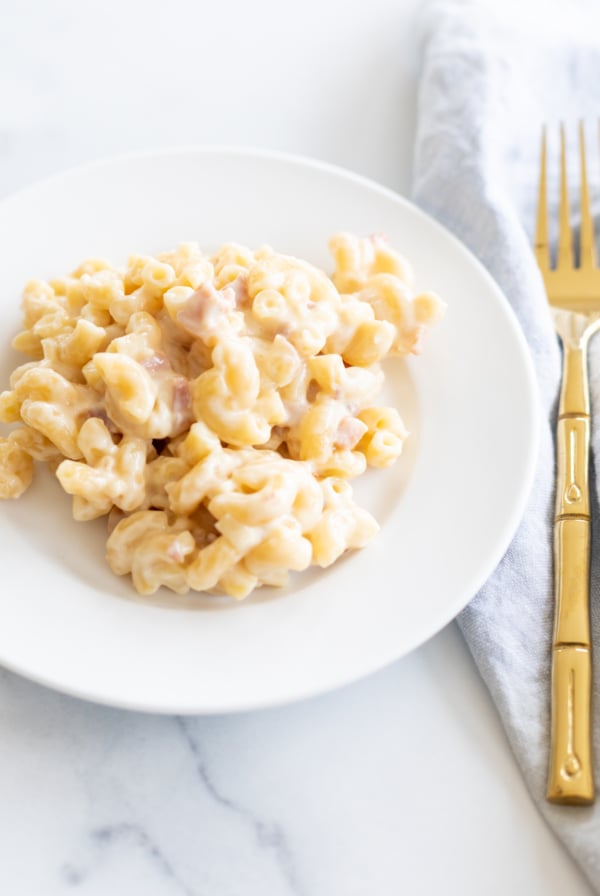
(100, 414)
(158, 361)
(203, 312)
(182, 405)
(349, 433)
(240, 291)
(175, 552)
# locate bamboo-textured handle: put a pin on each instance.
(570, 776)
(570, 779)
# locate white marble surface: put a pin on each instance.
(401, 783)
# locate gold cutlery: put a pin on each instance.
(574, 296)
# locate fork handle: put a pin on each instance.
(570, 777)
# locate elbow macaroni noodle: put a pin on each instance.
(214, 407)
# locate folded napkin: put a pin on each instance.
(486, 89)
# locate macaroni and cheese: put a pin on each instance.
(214, 408)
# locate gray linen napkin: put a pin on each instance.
(486, 89)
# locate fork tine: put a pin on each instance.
(588, 253)
(542, 251)
(565, 237)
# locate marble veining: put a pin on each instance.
(269, 835)
(119, 827)
(128, 836)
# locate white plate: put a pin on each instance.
(448, 509)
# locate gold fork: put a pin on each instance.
(574, 297)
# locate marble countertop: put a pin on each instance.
(403, 782)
